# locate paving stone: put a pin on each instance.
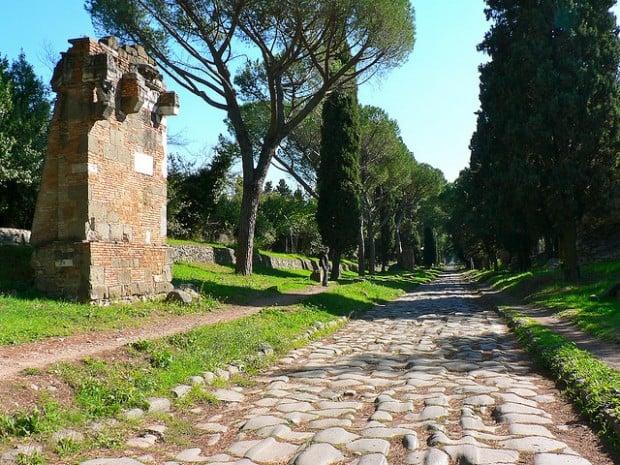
(239, 448)
(482, 400)
(520, 409)
(329, 423)
(228, 395)
(385, 433)
(410, 441)
(559, 459)
(319, 454)
(529, 430)
(481, 456)
(145, 441)
(294, 407)
(373, 459)
(193, 455)
(22, 449)
(335, 436)
(525, 419)
(369, 446)
(67, 435)
(271, 451)
(259, 422)
(532, 444)
(395, 407)
(112, 461)
(211, 427)
(430, 362)
(431, 457)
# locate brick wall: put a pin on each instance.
(99, 230)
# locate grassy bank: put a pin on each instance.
(591, 384)
(597, 316)
(99, 388)
(27, 315)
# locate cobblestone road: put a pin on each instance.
(431, 379)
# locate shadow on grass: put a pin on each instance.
(265, 283)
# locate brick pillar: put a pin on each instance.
(99, 230)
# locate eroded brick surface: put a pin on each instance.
(100, 224)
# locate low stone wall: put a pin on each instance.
(10, 236)
(225, 256)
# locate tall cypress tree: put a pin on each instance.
(581, 110)
(338, 178)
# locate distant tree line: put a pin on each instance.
(545, 152)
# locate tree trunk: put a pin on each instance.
(335, 265)
(568, 248)
(372, 262)
(247, 226)
(361, 251)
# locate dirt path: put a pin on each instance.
(607, 352)
(435, 377)
(14, 359)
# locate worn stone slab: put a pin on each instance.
(318, 454)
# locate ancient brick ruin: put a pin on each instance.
(99, 231)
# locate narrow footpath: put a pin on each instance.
(434, 378)
(605, 351)
(40, 354)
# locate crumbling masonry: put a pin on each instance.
(99, 230)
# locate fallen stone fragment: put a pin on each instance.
(158, 404)
(181, 391)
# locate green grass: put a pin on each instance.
(599, 317)
(221, 282)
(27, 315)
(103, 388)
(591, 384)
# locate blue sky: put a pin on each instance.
(433, 96)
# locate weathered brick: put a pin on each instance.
(98, 231)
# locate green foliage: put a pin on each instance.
(21, 424)
(377, 35)
(35, 458)
(24, 118)
(195, 195)
(338, 181)
(546, 142)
